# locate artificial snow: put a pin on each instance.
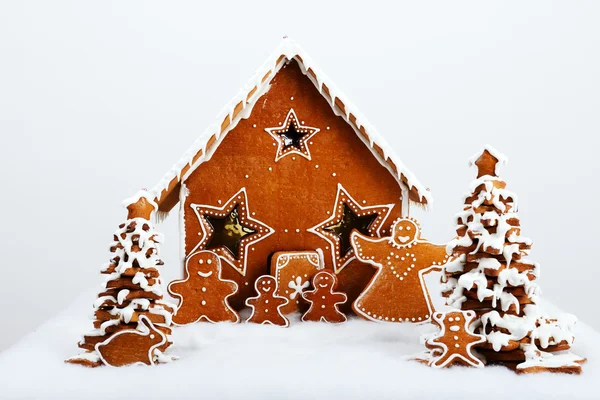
(354, 360)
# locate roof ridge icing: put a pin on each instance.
(240, 107)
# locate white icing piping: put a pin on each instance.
(290, 50)
(503, 328)
(183, 193)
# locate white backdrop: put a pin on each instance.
(99, 99)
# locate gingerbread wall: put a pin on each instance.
(293, 194)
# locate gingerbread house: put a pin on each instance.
(289, 166)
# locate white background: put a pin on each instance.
(99, 99)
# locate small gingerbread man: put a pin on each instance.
(203, 294)
(266, 306)
(323, 300)
(454, 343)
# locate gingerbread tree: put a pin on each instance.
(491, 274)
(133, 285)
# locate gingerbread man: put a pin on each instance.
(266, 307)
(397, 292)
(203, 294)
(323, 300)
(453, 344)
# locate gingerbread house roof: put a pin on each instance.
(166, 192)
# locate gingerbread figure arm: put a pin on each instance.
(279, 301)
(366, 248)
(309, 296)
(436, 255)
(338, 298)
(251, 301)
(465, 357)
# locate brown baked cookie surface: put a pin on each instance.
(455, 342)
(203, 294)
(294, 271)
(324, 300)
(397, 292)
(132, 346)
(266, 306)
(292, 176)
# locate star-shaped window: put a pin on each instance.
(350, 221)
(229, 230)
(347, 216)
(292, 137)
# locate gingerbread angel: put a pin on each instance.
(324, 300)
(397, 292)
(203, 294)
(266, 306)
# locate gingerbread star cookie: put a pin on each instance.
(397, 292)
(266, 306)
(203, 294)
(454, 343)
(324, 300)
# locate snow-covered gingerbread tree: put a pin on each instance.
(132, 288)
(490, 274)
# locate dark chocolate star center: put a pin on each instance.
(228, 232)
(291, 137)
(349, 222)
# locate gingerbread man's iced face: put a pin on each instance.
(266, 285)
(453, 321)
(404, 232)
(323, 280)
(208, 265)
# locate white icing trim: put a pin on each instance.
(149, 196)
(183, 194)
(275, 296)
(291, 115)
(405, 203)
(247, 215)
(89, 356)
(315, 229)
(283, 260)
(143, 322)
(188, 275)
(536, 358)
(467, 316)
(291, 51)
(286, 256)
(379, 268)
(502, 159)
(335, 305)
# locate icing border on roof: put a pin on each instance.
(240, 107)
